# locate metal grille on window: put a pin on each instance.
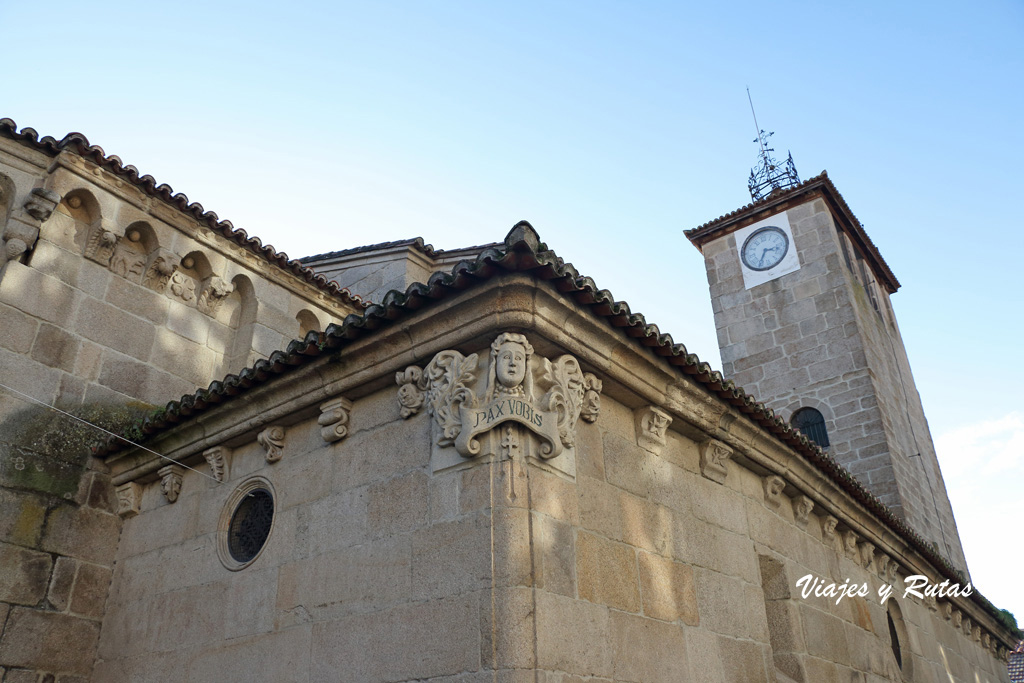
(250, 525)
(812, 424)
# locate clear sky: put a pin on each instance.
(611, 127)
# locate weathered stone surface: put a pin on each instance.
(63, 578)
(82, 533)
(607, 572)
(667, 589)
(587, 652)
(90, 592)
(662, 656)
(48, 641)
(398, 505)
(23, 574)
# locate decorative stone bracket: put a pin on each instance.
(802, 508)
(333, 419)
(714, 460)
(651, 428)
(129, 499)
(219, 459)
(774, 485)
(272, 441)
(170, 481)
(525, 395)
(828, 530)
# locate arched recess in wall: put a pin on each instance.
(238, 314)
(187, 281)
(81, 206)
(308, 322)
(132, 251)
(811, 423)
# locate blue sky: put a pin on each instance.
(612, 127)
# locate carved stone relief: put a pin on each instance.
(129, 499)
(218, 458)
(272, 441)
(802, 508)
(183, 288)
(591, 397)
(170, 481)
(890, 571)
(162, 264)
(333, 419)
(867, 554)
(129, 256)
(946, 610)
(41, 203)
(651, 427)
(522, 403)
(99, 246)
(882, 565)
(215, 291)
(828, 530)
(773, 488)
(958, 618)
(850, 544)
(714, 460)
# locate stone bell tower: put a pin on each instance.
(801, 303)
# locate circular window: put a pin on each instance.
(246, 523)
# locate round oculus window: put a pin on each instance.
(246, 523)
(250, 525)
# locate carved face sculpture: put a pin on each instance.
(510, 365)
(591, 405)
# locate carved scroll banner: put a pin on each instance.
(521, 404)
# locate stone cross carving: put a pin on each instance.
(802, 507)
(651, 428)
(217, 457)
(333, 419)
(272, 440)
(519, 391)
(170, 481)
(714, 458)
(773, 487)
(129, 499)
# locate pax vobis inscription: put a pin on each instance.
(520, 405)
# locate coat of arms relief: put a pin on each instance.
(514, 403)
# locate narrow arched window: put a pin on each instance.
(812, 424)
(894, 641)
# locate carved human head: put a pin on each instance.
(510, 353)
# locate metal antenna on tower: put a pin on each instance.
(767, 177)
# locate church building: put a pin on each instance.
(395, 463)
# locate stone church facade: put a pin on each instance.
(494, 472)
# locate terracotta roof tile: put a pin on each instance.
(79, 144)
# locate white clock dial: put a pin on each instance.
(765, 248)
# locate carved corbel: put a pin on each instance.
(333, 419)
(967, 626)
(102, 239)
(129, 499)
(162, 264)
(867, 554)
(218, 458)
(41, 203)
(272, 441)
(828, 530)
(850, 544)
(958, 618)
(774, 485)
(714, 460)
(802, 508)
(591, 407)
(170, 481)
(946, 610)
(215, 291)
(890, 572)
(931, 603)
(651, 427)
(411, 394)
(882, 564)
(986, 641)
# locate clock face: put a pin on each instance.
(765, 248)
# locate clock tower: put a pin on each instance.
(801, 303)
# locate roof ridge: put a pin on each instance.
(79, 144)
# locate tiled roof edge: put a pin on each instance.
(523, 251)
(79, 144)
(417, 243)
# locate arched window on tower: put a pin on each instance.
(812, 424)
